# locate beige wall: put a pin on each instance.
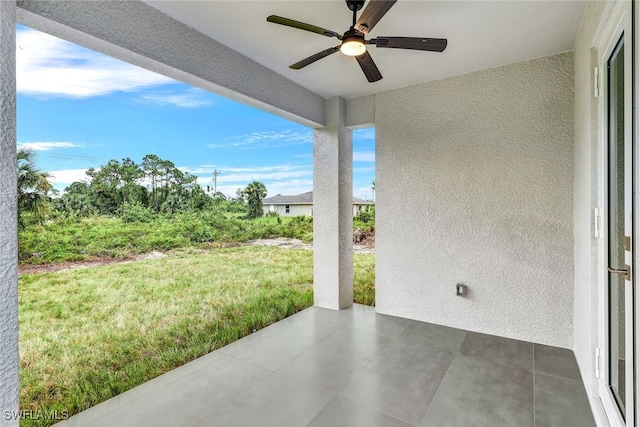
(306, 210)
(474, 184)
(294, 210)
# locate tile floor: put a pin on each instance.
(358, 368)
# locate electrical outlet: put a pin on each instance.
(461, 290)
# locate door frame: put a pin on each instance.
(620, 22)
(635, 140)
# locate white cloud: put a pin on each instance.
(263, 176)
(283, 179)
(364, 133)
(270, 139)
(363, 193)
(192, 98)
(46, 146)
(208, 169)
(290, 187)
(49, 66)
(364, 156)
(67, 176)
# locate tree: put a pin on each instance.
(116, 183)
(77, 200)
(240, 195)
(254, 193)
(130, 174)
(152, 166)
(33, 187)
(104, 186)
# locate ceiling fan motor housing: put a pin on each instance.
(355, 5)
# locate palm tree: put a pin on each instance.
(254, 193)
(33, 187)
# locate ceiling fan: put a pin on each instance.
(353, 40)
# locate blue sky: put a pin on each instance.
(78, 109)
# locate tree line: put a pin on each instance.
(155, 184)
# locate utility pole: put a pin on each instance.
(215, 181)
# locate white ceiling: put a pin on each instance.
(481, 34)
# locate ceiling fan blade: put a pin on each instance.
(302, 26)
(417, 43)
(371, 14)
(314, 58)
(369, 67)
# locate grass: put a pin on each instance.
(364, 278)
(89, 334)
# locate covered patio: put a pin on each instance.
(354, 367)
(492, 163)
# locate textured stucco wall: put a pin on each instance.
(586, 199)
(474, 183)
(332, 209)
(8, 218)
(137, 33)
(361, 111)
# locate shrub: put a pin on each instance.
(136, 212)
(364, 216)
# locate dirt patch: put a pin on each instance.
(283, 242)
(153, 255)
(365, 245)
(364, 241)
(69, 265)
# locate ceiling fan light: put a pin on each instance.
(353, 46)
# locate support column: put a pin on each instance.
(332, 209)
(9, 362)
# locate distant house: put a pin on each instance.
(302, 204)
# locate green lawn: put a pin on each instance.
(89, 334)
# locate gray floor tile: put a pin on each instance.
(380, 324)
(332, 362)
(411, 360)
(109, 406)
(561, 402)
(190, 398)
(362, 317)
(357, 368)
(399, 396)
(341, 412)
(555, 361)
(479, 393)
(436, 336)
(339, 318)
(318, 327)
(277, 401)
(401, 382)
(271, 351)
(505, 351)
